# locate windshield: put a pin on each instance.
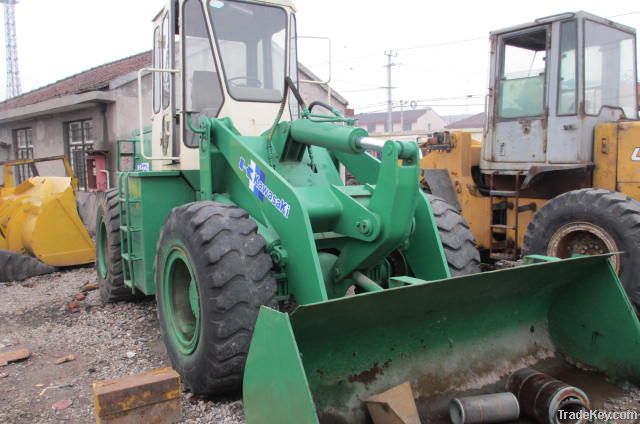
(609, 65)
(251, 39)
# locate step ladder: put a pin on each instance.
(506, 248)
(126, 230)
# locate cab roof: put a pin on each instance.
(581, 14)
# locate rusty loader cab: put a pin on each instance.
(557, 172)
(552, 82)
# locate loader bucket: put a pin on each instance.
(320, 363)
(40, 218)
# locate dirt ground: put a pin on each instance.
(108, 341)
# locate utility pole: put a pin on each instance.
(390, 64)
(13, 73)
(402, 103)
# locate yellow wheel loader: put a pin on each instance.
(40, 228)
(558, 172)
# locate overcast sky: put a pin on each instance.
(437, 65)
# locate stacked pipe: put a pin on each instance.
(539, 396)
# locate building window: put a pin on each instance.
(371, 128)
(24, 150)
(406, 126)
(79, 142)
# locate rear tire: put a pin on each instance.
(457, 240)
(212, 277)
(108, 253)
(590, 221)
(18, 267)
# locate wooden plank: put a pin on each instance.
(117, 397)
(13, 356)
(168, 412)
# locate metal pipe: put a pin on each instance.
(346, 139)
(365, 283)
(370, 143)
(492, 408)
(548, 400)
(104, 171)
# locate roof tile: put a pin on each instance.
(94, 79)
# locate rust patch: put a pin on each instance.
(370, 375)
(366, 376)
(526, 126)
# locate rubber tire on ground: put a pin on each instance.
(112, 287)
(457, 240)
(234, 274)
(616, 213)
(18, 267)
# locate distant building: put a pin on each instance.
(408, 122)
(473, 124)
(450, 119)
(91, 110)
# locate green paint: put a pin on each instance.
(275, 385)
(101, 244)
(442, 334)
(333, 351)
(181, 301)
(146, 198)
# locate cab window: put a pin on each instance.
(567, 83)
(522, 78)
(202, 91)
(252, 43)
(609, 66)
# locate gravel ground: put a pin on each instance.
(108, 341)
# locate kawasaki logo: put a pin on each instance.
(258, 185)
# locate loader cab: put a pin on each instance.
(552, 81)
(218, 58)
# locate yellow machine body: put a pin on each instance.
(39, 217)
(617, 168)
(616, 153)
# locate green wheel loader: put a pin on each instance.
(272, 275)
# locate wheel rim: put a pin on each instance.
(101, 256)
(583, 238)
(181, 301)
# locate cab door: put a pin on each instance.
(518, 132)
(164, 119)
(565, 129)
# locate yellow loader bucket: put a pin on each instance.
(39, 217)
(324, 361)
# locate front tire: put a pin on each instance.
(212, 276)
(590, 221)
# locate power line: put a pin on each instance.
(445, 43)
(624, 14)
